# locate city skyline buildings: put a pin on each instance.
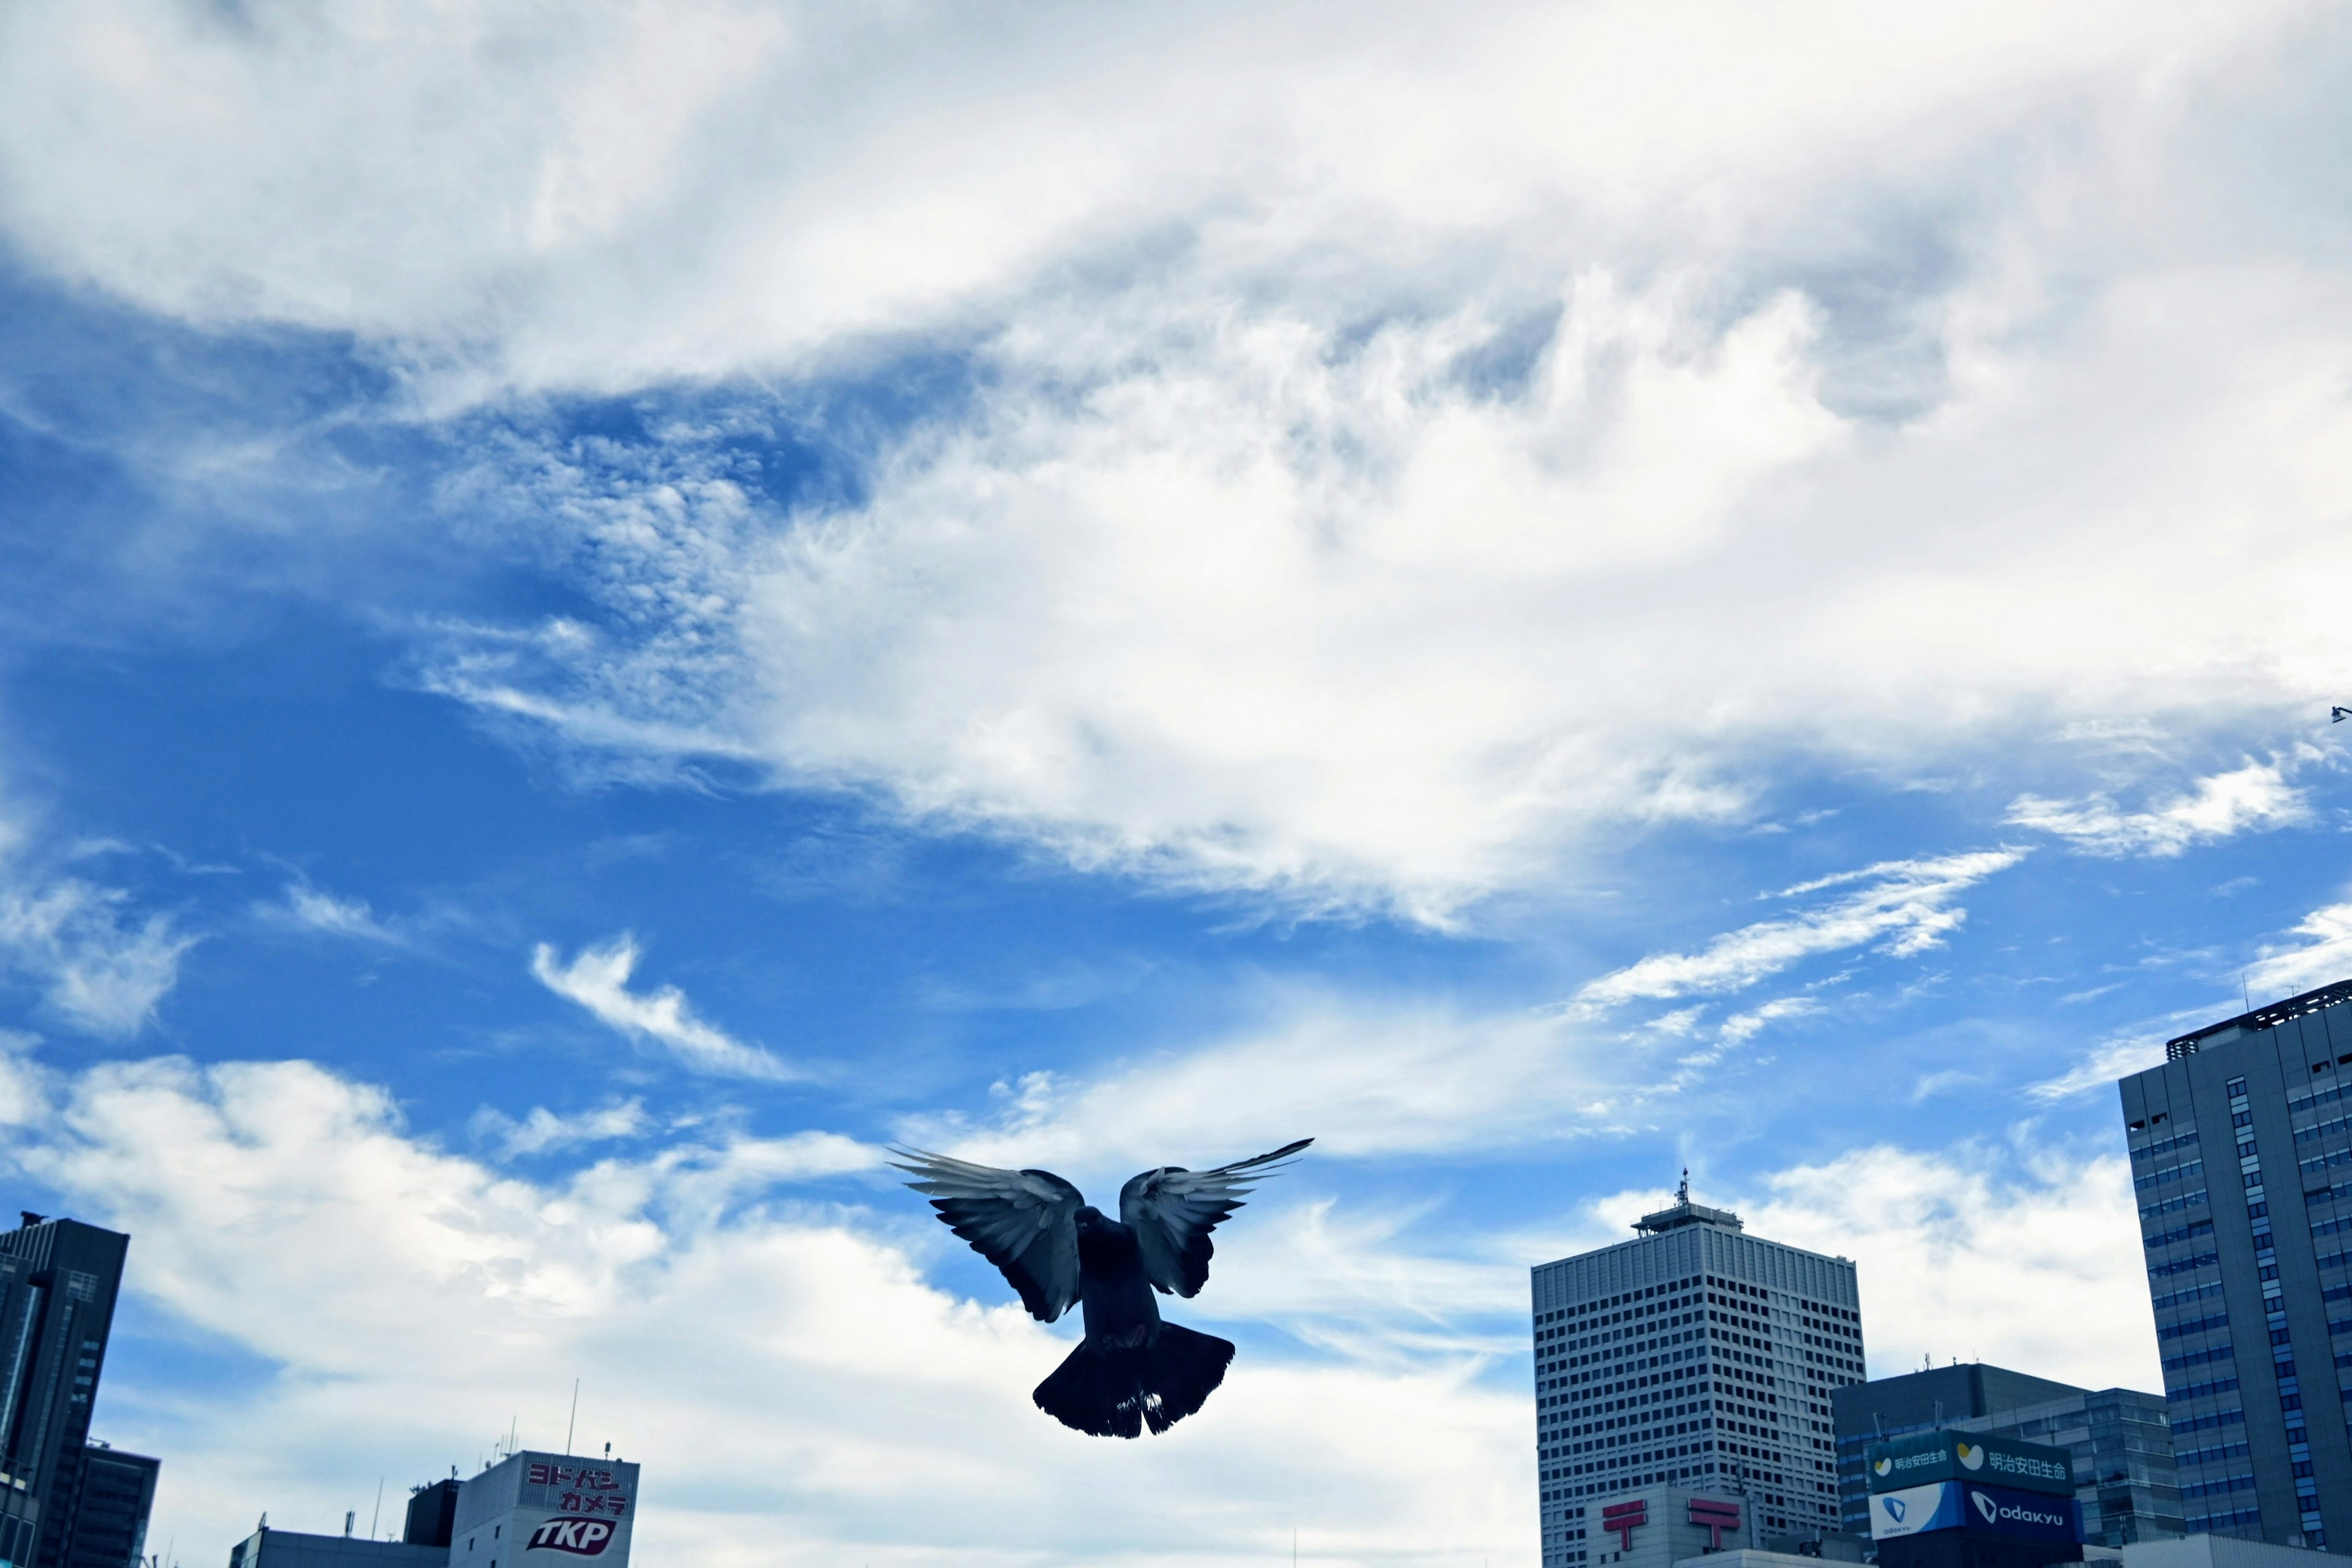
(1694, 1354)
(2241, 1147)
(605, 609)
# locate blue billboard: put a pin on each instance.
(1915, 1509)
(2003, 1511)
(2022, 1515)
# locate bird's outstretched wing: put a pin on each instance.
(1172, 1211)
(1022, 1221)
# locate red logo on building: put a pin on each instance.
(1623, 1519)
(580, 1537)
(1715, 1516)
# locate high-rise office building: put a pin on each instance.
(2241, 1164)
(1693, 1355)
(118, 1491)
(58, 1284)
(2117, 1438)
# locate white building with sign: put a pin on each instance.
(546, 1511)
(1659, 1526)
(1694, 1355)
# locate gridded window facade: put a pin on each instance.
(1695, 1355)
(2122, 1446)
(2240, 1150)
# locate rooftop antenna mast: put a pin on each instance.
(575, 1422)
(1682, 1194)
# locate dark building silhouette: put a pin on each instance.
(118, 1491)
(432, 1513)
(58, 1284)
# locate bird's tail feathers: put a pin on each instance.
(1115, 1391)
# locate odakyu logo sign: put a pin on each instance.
(1914, 1510)
(2022, 1513)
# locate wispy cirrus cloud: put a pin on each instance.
(2254, 798)
(597, 978)
(2110, 1059)
(542, 1131)
(303, 906)
(2321, 957)
(1748, 1025)
(1366, 1081)
(1901, 908)
(101, 969)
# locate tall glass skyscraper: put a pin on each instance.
(2241, 1164)
(1695, 1355)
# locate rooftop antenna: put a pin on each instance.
(1682, 1194)
(570, 1425)
(377, 1517)
(2247, 995)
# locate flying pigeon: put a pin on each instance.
(1132, 1369)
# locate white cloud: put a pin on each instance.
(1270, 604)
(597, 978)
(1747, 1026)
(1389, 463)
(1901, 907)
(607, 195)
(543, 1129)
(1364, 1081)
(2252, 799)
(2047, 1244)
(827, 1402)
(2323, 957)
(308, 909)
(101, 970)
(2107, 1061)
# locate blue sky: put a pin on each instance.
(601, 612)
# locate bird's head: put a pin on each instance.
(1089, 1219)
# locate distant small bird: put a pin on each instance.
(2337, 715)
(1132, 1370)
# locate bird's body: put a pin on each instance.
(1133, 1369)
(1114, 1292)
